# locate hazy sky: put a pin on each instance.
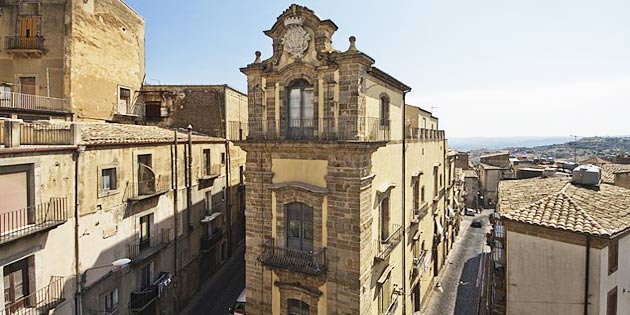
(491, 67)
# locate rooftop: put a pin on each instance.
(556, 203)
(609, 170)
(470, 173)
(491, 167)
(595, 161)
(99, 133)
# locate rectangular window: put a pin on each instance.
(124, 100)
(207, 162)
(385, 297)
(222, 158)
(145, 230)
(28, 86)
(613, 256)
(146, 276)
(146, 176)
(16, 284)
(15, 197)
(611, 305)
(153, 111)
(108, 179)
(29, 27)
(110, 300)
(208, 200)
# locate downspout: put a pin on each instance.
(189, 180)
(586, 272)
(404, 186)
(77, 272)
(228, 204)
(174, 185)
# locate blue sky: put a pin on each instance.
(491, 67)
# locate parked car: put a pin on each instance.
(477, 223)
(239, 305)
(470, 212)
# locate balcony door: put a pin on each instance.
(299, 227)
(16, 285)
(15, 193)
(301, 122)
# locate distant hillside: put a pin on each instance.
(498, 143)
(605, 147)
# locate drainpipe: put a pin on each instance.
(174, 184)
(586, 272)
(189, 180)
(77, 273)
(228, 204)
(404, 185)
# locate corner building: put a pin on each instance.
(337, 222)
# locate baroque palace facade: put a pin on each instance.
(346, 204)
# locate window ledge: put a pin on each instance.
(149, 196)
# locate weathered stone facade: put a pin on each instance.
(326, 134)
(71, 58)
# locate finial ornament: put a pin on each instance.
(353, 46)
(257, 60)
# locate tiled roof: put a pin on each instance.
(111, 133)
(609, 170)
(595, 161)
(558, 204)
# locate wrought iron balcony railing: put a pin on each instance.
(41, 301)
(141, 299)
(302, 261)
(140, 249)
(24, 43)
(13, 100)
(26, 221)
(385, 246)
(322, 129)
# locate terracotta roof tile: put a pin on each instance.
(558, 204)
(111, 133)
(609, 170)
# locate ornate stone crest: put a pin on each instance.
(295, 39)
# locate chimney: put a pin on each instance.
(622, 179)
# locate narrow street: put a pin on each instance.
(460, 280)
(222, 289)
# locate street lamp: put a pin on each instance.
(116, 263)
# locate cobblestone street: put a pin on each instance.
(460, 280)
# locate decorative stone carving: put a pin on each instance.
(295, 39)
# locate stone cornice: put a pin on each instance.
(299, 185)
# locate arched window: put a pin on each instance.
(299, 226)
(384, 213)
(297, 307)
(384, 111)
(300, 106)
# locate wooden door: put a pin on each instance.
(16, 285)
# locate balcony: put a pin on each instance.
(39, 218)
(15, 133)
(420, 212)
(208, 241)
(386, 246)
(141, 299)
(211, 172)
(350, 129)
(150, 186)
(41, 301)
(439, 195)
(25, 46)
(306, 262)
(419, 134)
(140, 250)
(28, 102)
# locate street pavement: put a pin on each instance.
(221, 290)
(460, 280)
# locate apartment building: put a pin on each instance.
(492, 169)
(81, 196)
(559, 247)
(65, 59)
(340, 219)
